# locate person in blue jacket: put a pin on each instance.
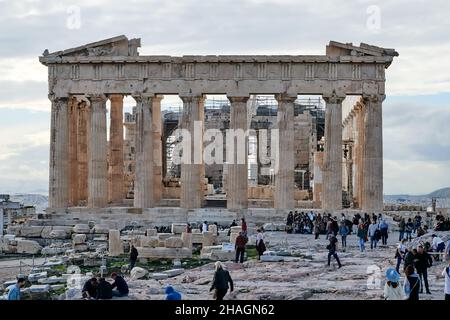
(14, 290)
(171, 294)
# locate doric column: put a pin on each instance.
(73, 152)
(285, 165)
(97, 154)
(82, 151)
(143, 185)
(59, 153)
(372, 197)
(237, 163)
(157, 149)
(192, 194)
(332, 164)
(116, 175)
(359, 152)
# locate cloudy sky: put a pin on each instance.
(416, 111)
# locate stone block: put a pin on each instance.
(115, 247)
(209, 238)
(52, 250)
(187, 240)
(80, 247)
(138, 273)
(165, 253)
(28, 246)
(159, 276)
(212, 228)
(101, 229)
(34, 277)
(151, 232)
(81, 228)
(271, 258)
(174, 272)
(45, 234)
(58, 234)
(36, 288)
(31, 232)
(149, 242)
(164, 236)
(79, 238)
(173, 242)
(197, 238)
(178, 228)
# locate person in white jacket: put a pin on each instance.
(392, 288)
(446, 274)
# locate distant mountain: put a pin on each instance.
(38, 200)
(441, 193)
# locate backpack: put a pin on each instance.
(377, 234)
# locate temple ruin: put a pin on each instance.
(331, 150)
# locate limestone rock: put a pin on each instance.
(173, 242)
(138, 273)
(174, 272)
(45, 234)
(159, 276)
(164, 236)
(209, 238)
(58, 234)
(187, 240)
(165, 253)
(101, 229)
(28, 246)
(151, 232)
(80, 247)
(212, 228)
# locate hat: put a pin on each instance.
(392, 275)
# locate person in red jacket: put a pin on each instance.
(244, 227)
(241, 241)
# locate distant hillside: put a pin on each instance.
(441, 193)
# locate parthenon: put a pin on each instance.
(87, 169)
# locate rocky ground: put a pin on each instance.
(305, 277)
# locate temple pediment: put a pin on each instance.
(335, 49)
(116, 46)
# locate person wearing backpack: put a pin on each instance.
(362, 235)
(400, 253)
(343, 231)
(409, 229)
(384, 232)
(422, 262)
(412, 284)
(373, 233)
(446, 275)
(332, 246)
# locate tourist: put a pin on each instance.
(412, 284)
(289, 222)
(409, 229)
(133, 257)
(438, 245)
(217, 228)
(14, 290)
(188, 228)
(401, 229)
(343, 231)
(417, 222)
(362, 235)
(420, 231)
(343, 218)
(335, 226)
(316, 228)
(89, 290)
(329, 228)
(422, 262)
(220, 282)
(392, 288)
(104, 290)
(400, 253)
(356, 220)
(171, 294)
(205, 226)
(120, 284)
(446, 275)
(409, 258)
(260, 245)
(244, 227)
(241, 241)
(372, 233)
(332, 246)
(233, 224)
(384, 230)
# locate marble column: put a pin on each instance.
(73, 152)
(332, 163)
(372, 196)
(116, 192)
(143, 185)
(157, 149)
(59, 153)
(82, 151)
(237, 173)
(97, 154)
(192, 193)
(359, 153)
(285, 166)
